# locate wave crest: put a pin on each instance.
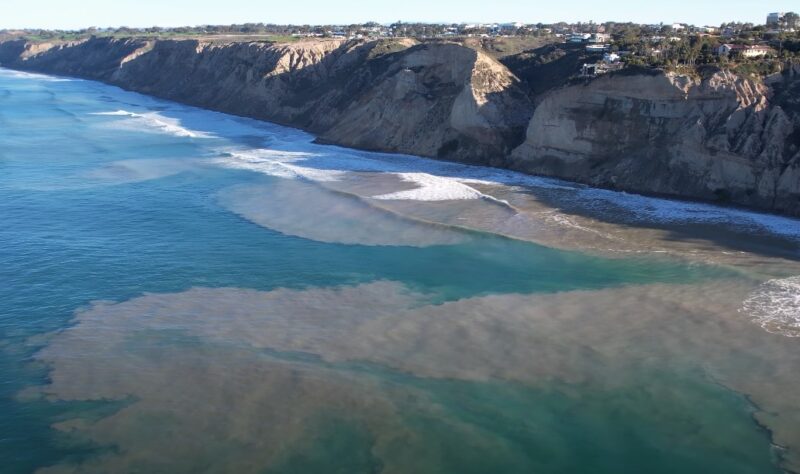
(158, 123)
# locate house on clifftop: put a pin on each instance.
(744, 51)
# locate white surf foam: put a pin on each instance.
(303, 209)
(659, 210)
(432, 188)
(445, 181)
(158, 123)
(775, 305)
(29, 75)
(322, 162)
(275, 163)
(435, 180)
(292, 154)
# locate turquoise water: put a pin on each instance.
(98, 206)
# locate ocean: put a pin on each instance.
(189, 291)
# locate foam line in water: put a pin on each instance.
(432, 188)
(275, 163)
(159, 123)
(658, 210)
(423, 172)
(449, 181)
(324, 163)
(11, 73)
(775, 305)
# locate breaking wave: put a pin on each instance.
(275, 163)
(303, 209)
(433, 180)
(29, 75)
(639, 208)
(158, 123)
(441, 181)
(296, 157)
(432, 188)
(775, 305)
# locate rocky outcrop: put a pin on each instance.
(720, 137)
(717, 137)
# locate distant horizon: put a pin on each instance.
(409, 22)
(56, 15)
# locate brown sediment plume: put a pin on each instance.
(528, 213)
(306, 210)
(592, 338)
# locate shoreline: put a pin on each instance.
(705, 228)
(679, 325)
(455, 103)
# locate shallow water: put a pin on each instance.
(186, 291)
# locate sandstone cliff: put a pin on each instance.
(718, 137)
(439, 100)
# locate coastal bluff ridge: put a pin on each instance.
(712, 135)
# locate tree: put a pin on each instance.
(790, 21)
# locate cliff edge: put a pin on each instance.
(719, 137)
(437, 100)
(716, 136)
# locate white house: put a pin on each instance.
(756, 51)
(512, 26)
(579, 37)
(596, 48)
(725, 49)
(599, 38)
(744, 51)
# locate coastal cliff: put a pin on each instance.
(719, 137)
(712, 136)
(438, 100)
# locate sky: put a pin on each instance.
(75, 14)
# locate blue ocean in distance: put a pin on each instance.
(113, 197)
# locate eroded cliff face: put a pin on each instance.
(437, 100)
(721, 137)
(444, 101)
